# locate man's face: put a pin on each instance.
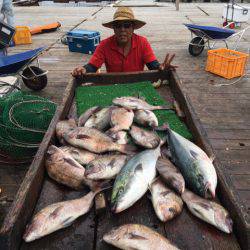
(123, 31)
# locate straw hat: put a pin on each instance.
(124, 14)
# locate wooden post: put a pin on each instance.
(177, 4)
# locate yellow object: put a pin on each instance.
(226, 63)
(22, 35)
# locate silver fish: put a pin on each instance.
(144, 138)
(171, 175)
(100, 120)
(80, 155)
(133, 180)
(119, 137)
(196, 167)
(146, 118)
(166, 203)
(94, 141)
(105, 167)
(137, 237)
(209, 211)
(57, 216)
(86, 115)
(64, 126)
(121, 119)
(134, 103)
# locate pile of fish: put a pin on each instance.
(119, 142)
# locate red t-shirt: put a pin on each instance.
(109, 53)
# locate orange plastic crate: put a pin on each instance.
(226, 63)
(22, 35)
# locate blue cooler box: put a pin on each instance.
(83, 41)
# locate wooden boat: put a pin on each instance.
(37, 190)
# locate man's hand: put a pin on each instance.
(166, 65)
(79, 71)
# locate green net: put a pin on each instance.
(90, 96)
(24, 119)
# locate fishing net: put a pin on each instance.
(24, 120)
(89, 96)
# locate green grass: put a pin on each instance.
(89, 96)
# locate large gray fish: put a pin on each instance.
(166, 203)
(57, 216)
(196, 167)
(94, 141)
(105, 167)
(146, 118)
(62, 168)
(144, 138)
(119, 137)
(137, 237)
(134, 103)
(64, 126)
(86, 115)
(133, 180)
(171, 175)
(208, 211)
(100, 120)
(82, 156)
(121, 119)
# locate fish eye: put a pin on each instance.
(120, 191)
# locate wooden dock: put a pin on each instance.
(222, 110)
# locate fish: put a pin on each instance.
(62, 168)
(144, 138)
(95, 141)
(171, 175)
(208, 211)
(137, 237)
(82, 156)
(86, 115)
(100, 120)
(121, 119)
(119, 137)
(63, 126)
(166, 203)
(105, 167)
(134, 103)
(146, 118)
(194, 164)
(57, 216)
(133, 180)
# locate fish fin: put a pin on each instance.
(68, 221)
(209, 191)
(165, 193)
(83, 136)
(72, 162)
(138, 168)
(100, 186)
(163, 127)
(55, 212)
(194, 154)
(134, 236)
(112, 163)
(127, 148)
(203, 205)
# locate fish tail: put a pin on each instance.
(166, 107)
(127, 148)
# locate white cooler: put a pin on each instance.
(236, 13)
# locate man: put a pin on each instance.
(124, 51)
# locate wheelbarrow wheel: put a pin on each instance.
(34, 82)
(196, 46)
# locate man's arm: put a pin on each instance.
(153, 65)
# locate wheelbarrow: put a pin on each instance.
(204, 35)
(19, 64)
